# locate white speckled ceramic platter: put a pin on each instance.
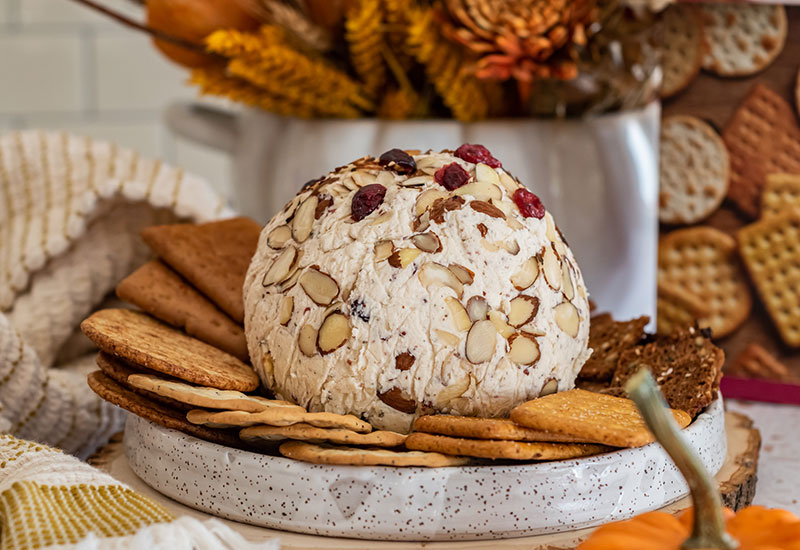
(475, 502)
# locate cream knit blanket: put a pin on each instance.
(70, 213)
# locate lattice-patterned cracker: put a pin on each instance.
(771, 251)
(703, 261)
(782, 191)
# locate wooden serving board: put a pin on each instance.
(715, 99)
(737, 480)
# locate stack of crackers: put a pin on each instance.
(738, 188)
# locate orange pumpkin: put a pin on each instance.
(754, 528)
(193, 20)
(713, 528)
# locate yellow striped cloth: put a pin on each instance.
(52, 500)
(71, 209)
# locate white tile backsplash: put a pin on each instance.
(40, 72)
(131, 74)
(64, 67)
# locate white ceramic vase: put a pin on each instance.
(599, 176)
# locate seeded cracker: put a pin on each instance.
(329, 454)
(683, 47)
(277, 417)
(154, 412)
(210, 398)
(591, 417)
(608, 338)
(686, 365)
(162, 293)
(694, 170)
(743, 38)
(482, 428)
(307, 432)
(498, 449)
(212, 256)
(704, 262)
(141, 340)
(770, 249)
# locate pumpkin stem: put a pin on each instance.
(708, 532)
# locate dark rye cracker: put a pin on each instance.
(155, 412)
(119, 371)
(142, 340)
(608, 339)
(762, 138)
(686, 365)
(214, 257)
(162, 293)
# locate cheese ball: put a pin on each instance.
(415, 283)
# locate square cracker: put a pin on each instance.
(162, 293)
(770, 249)
(590, 417)
(214, 257)
(762, 138)
(782, 191)
(482, 428)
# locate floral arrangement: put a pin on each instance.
(465, 59)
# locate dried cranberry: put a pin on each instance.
(477, 153)
(529, 204)
(366, 200)
(451, 176)
(398, 160)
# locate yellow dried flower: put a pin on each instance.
(364, 36)
(401, 103)
(447, 67)
(214, 81)
(266, 60)
(395, 15)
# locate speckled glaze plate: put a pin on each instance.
(462, 503)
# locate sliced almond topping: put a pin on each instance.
(383, 250)
(551, 266)
(550, 387)
(508, 182)
(427, 242)
(294, 274)
(506, 207)
(481, 341)
(463, 274)
(319, 286)
(423, 222)
(561, 250)
(487, 208)
(503, 329)
(325, 201)
(482, 229)
(383, 218)
(477, 308)
(522, 311)
(307, 340)
(426, 199)
(512, 247)
(363, 177)
(279, 236)
(404, 361)
(303, 221)
(433, 274)
(333, 333)
(550, 226)
(267, 365)
(281, 267)
(286, 309)
(514, 223)
(567, 318)
(527, 274)
(348, 182)
(416, 181)
(566, 282)
(524, 349)
(459, 314)
(454, 390)
(403, 257)
(396, 400)
(489, 246)
(385, 178)
(484, 172)
(448, 337)
(481, 190)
